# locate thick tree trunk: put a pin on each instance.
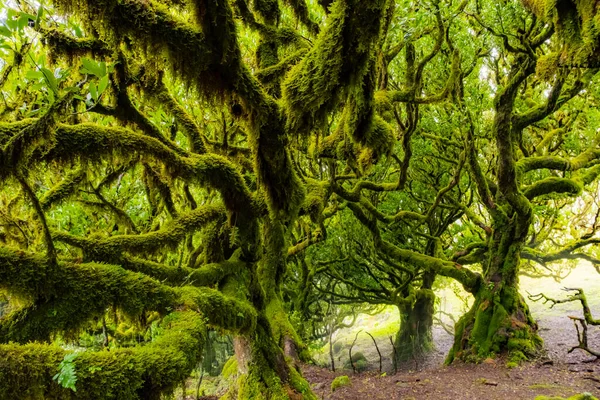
(270, 273)
(499, 320)
(263, 370)
(414, 338)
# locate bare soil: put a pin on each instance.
(461, 382)
(556, 373)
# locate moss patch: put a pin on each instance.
(339, 382)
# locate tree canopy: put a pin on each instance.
(259, 168)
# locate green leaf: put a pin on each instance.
(11, 19)
(38, 17)
(34, 75)
(102, 85)
(67, 376)
(94, 91)
(24, 19)
(91, 67)
(4, 31)
(50, 80)
(77, 30)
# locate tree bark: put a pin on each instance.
(414, 338)
(499, 320)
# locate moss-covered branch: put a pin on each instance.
(169, 236)
(556, 99)
(469, 279)
(566, 252)
(66, 295)
(212, 170)
(160, 92)
(553, 185)
(10, 129)
(62, 43)
(204, 275)
(579, 296)
(20, 147)
(301, 10)
(136, 373)
(63, 189)
(29, 193)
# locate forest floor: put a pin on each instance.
(461, 382)
(556, 373)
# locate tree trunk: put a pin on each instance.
(263, 370)
(414, 338)
(499, 320)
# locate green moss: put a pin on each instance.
(184, 119)
(582, 396)
(230, 368)
(339, 382)
(74, 293)
(61, 44)
(488, 328)
(359, 360)
(553, 185)
(207, 169)
(133, 373)
(524, 345)
(340, 60)
(310, 88)
(301, 11)
(66, 295)
(10, 129)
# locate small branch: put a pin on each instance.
(395, 355)
(50, 250)
(378, 352)
(582, 337)
(350, 351)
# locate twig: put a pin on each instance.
(378, 352)
(395, 355)
(350, 351)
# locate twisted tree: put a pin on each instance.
(161, 159)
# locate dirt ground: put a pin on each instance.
(461, 382)
(556, 373)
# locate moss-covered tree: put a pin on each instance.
(161, 159)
